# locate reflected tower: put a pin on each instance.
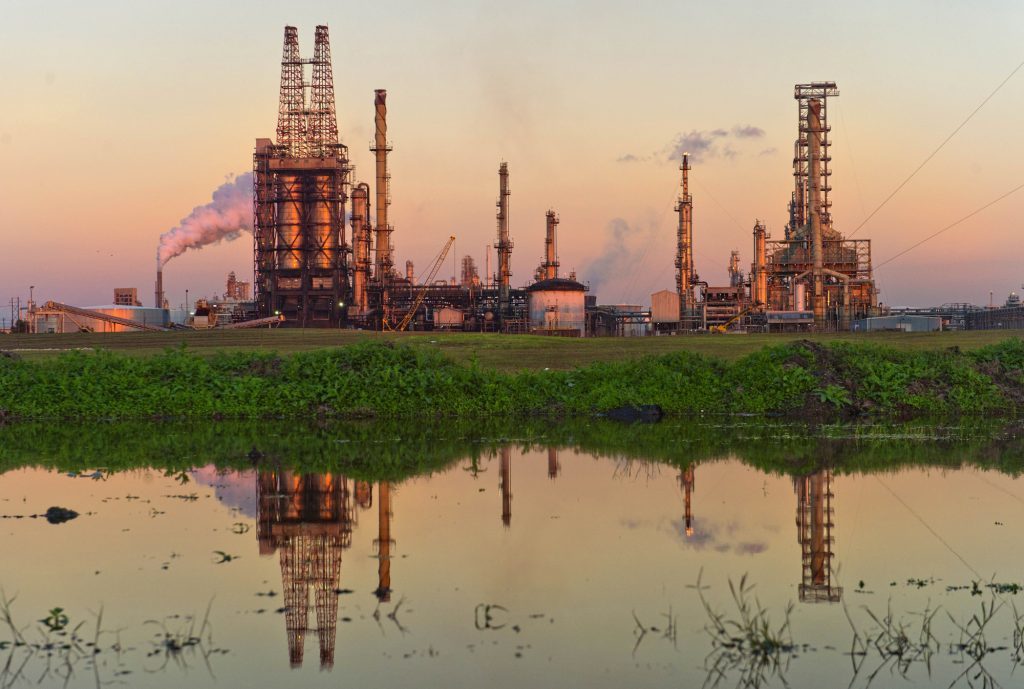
(814, 532)
(308, 519)
(686, 481)
(506, 486)
(553, 465)
(383, 542)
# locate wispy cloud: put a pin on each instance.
(748, 131)
(699, 144)
(702, 144)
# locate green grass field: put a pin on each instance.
(502, 352)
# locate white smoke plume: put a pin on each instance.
(225, 217)
(620, 261)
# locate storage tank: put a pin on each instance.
(556, 307)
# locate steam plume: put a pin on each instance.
(225, 217)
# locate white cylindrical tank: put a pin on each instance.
(557, 305)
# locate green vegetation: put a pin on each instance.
(804, 379)
(501, 352)
(393, 450)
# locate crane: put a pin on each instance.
(422, 294)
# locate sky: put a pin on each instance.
(120, 117)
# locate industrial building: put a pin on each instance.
(811, 278)
(324, 245)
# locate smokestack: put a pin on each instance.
(410, 272)
(504, 245)
(550, 247)
(159, 283)
(684, 244)
(381, 149)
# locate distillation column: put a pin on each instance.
(814, 132)
(361, 247)
(504, 245)
(684, 248)
(550, 246)
(759, 278)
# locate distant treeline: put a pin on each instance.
(383, 380)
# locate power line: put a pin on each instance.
(952, 225)
(940, 147)
(928, 526)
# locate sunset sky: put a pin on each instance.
(119, 117)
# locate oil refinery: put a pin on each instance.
(324, 250)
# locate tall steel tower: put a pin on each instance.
(301, 186)
(686, 278)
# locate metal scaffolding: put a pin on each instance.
(300, 189)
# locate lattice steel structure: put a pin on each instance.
(308, 520)
(300, 189)
(686, 276)
(814, 268)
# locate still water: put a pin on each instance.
(511, 562)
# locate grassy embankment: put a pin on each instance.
(382, 379)
(504, 353)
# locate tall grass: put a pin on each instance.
(398, 381)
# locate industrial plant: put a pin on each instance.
(324, 250)
(813, 278)
(313, 272)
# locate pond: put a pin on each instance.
(677, 554)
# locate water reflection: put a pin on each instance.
(506, 485)
(308, 519)
(814, 524)
(686, 481)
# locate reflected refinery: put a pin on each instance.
(508, 565)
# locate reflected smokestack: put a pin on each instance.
(686, 480)
(384, 542)
(553, 463)
(506, 486)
